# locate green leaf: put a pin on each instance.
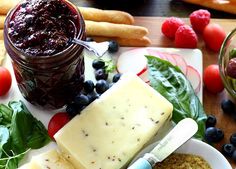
(170, 82)
(39, 136)
(109, 66)
(4, 137)
(5, 115)
(21, 127)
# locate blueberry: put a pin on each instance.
(233, 139)
(98, 64)
(89, 39)
(101, 86)
(88, 86)
(227, 106)
(211, 121)
(116, 77)
(92, 96)
(113, 46)
(220, 135)
(101, 74)
(72, 109)
(81, 100)
(234, 155)
(213, 135)
(227, 150)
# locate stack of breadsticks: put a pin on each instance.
(104, 25)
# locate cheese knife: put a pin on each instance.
(181, 133)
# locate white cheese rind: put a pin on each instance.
(49, 160)
(112, 129)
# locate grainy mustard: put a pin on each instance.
(183, 161)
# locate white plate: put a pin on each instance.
(196, 147)
(193, 57)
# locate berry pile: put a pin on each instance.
(185, 37)
(91, 90)
(214, 134)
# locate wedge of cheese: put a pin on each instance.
(51, 159)
(112, 129)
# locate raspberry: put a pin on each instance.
(170, 26)
(200, 19)
(185, 37)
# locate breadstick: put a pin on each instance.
(2, 19)
(6, 5)
(2, 51)
(1, 34)
(114, 30)
(112, 16)
(228, 6)
(144, 41)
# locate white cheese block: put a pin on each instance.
(113, 128)
(49, 160)
(25, 166)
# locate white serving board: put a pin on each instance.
(193, 57)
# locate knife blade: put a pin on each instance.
(181, 133)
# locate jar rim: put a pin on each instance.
(221, 62)
(70, 47)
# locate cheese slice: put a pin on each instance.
(25, 166)
(113, 128)
(51, 159)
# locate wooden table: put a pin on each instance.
(211, 102)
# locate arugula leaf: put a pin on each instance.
(170, 82)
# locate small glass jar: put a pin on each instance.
(48, 81)
(224, 57)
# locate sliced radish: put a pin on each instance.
(181, 63)
(133, 61)
(144, 76)
(194, 77)
(155, 52)
(170, 58)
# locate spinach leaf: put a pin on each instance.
(26, 131)
(5, 115)
(170, 82)
(4, 136)
(19, 132)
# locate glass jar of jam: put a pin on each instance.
(49, 69)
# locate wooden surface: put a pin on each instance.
(150, 7)
(211, 102)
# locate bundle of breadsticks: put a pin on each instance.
(104, 25)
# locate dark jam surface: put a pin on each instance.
(42, 27)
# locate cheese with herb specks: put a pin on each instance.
(113, 128)
(51, 159)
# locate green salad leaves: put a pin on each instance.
(19, 132)
(169, 81)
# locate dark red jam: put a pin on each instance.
(42, 27)
(48, 69)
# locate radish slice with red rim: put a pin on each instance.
(194, 77)
(170, 58)
(144, 76)
(181, 63)
(133, 61)
(155, 52)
